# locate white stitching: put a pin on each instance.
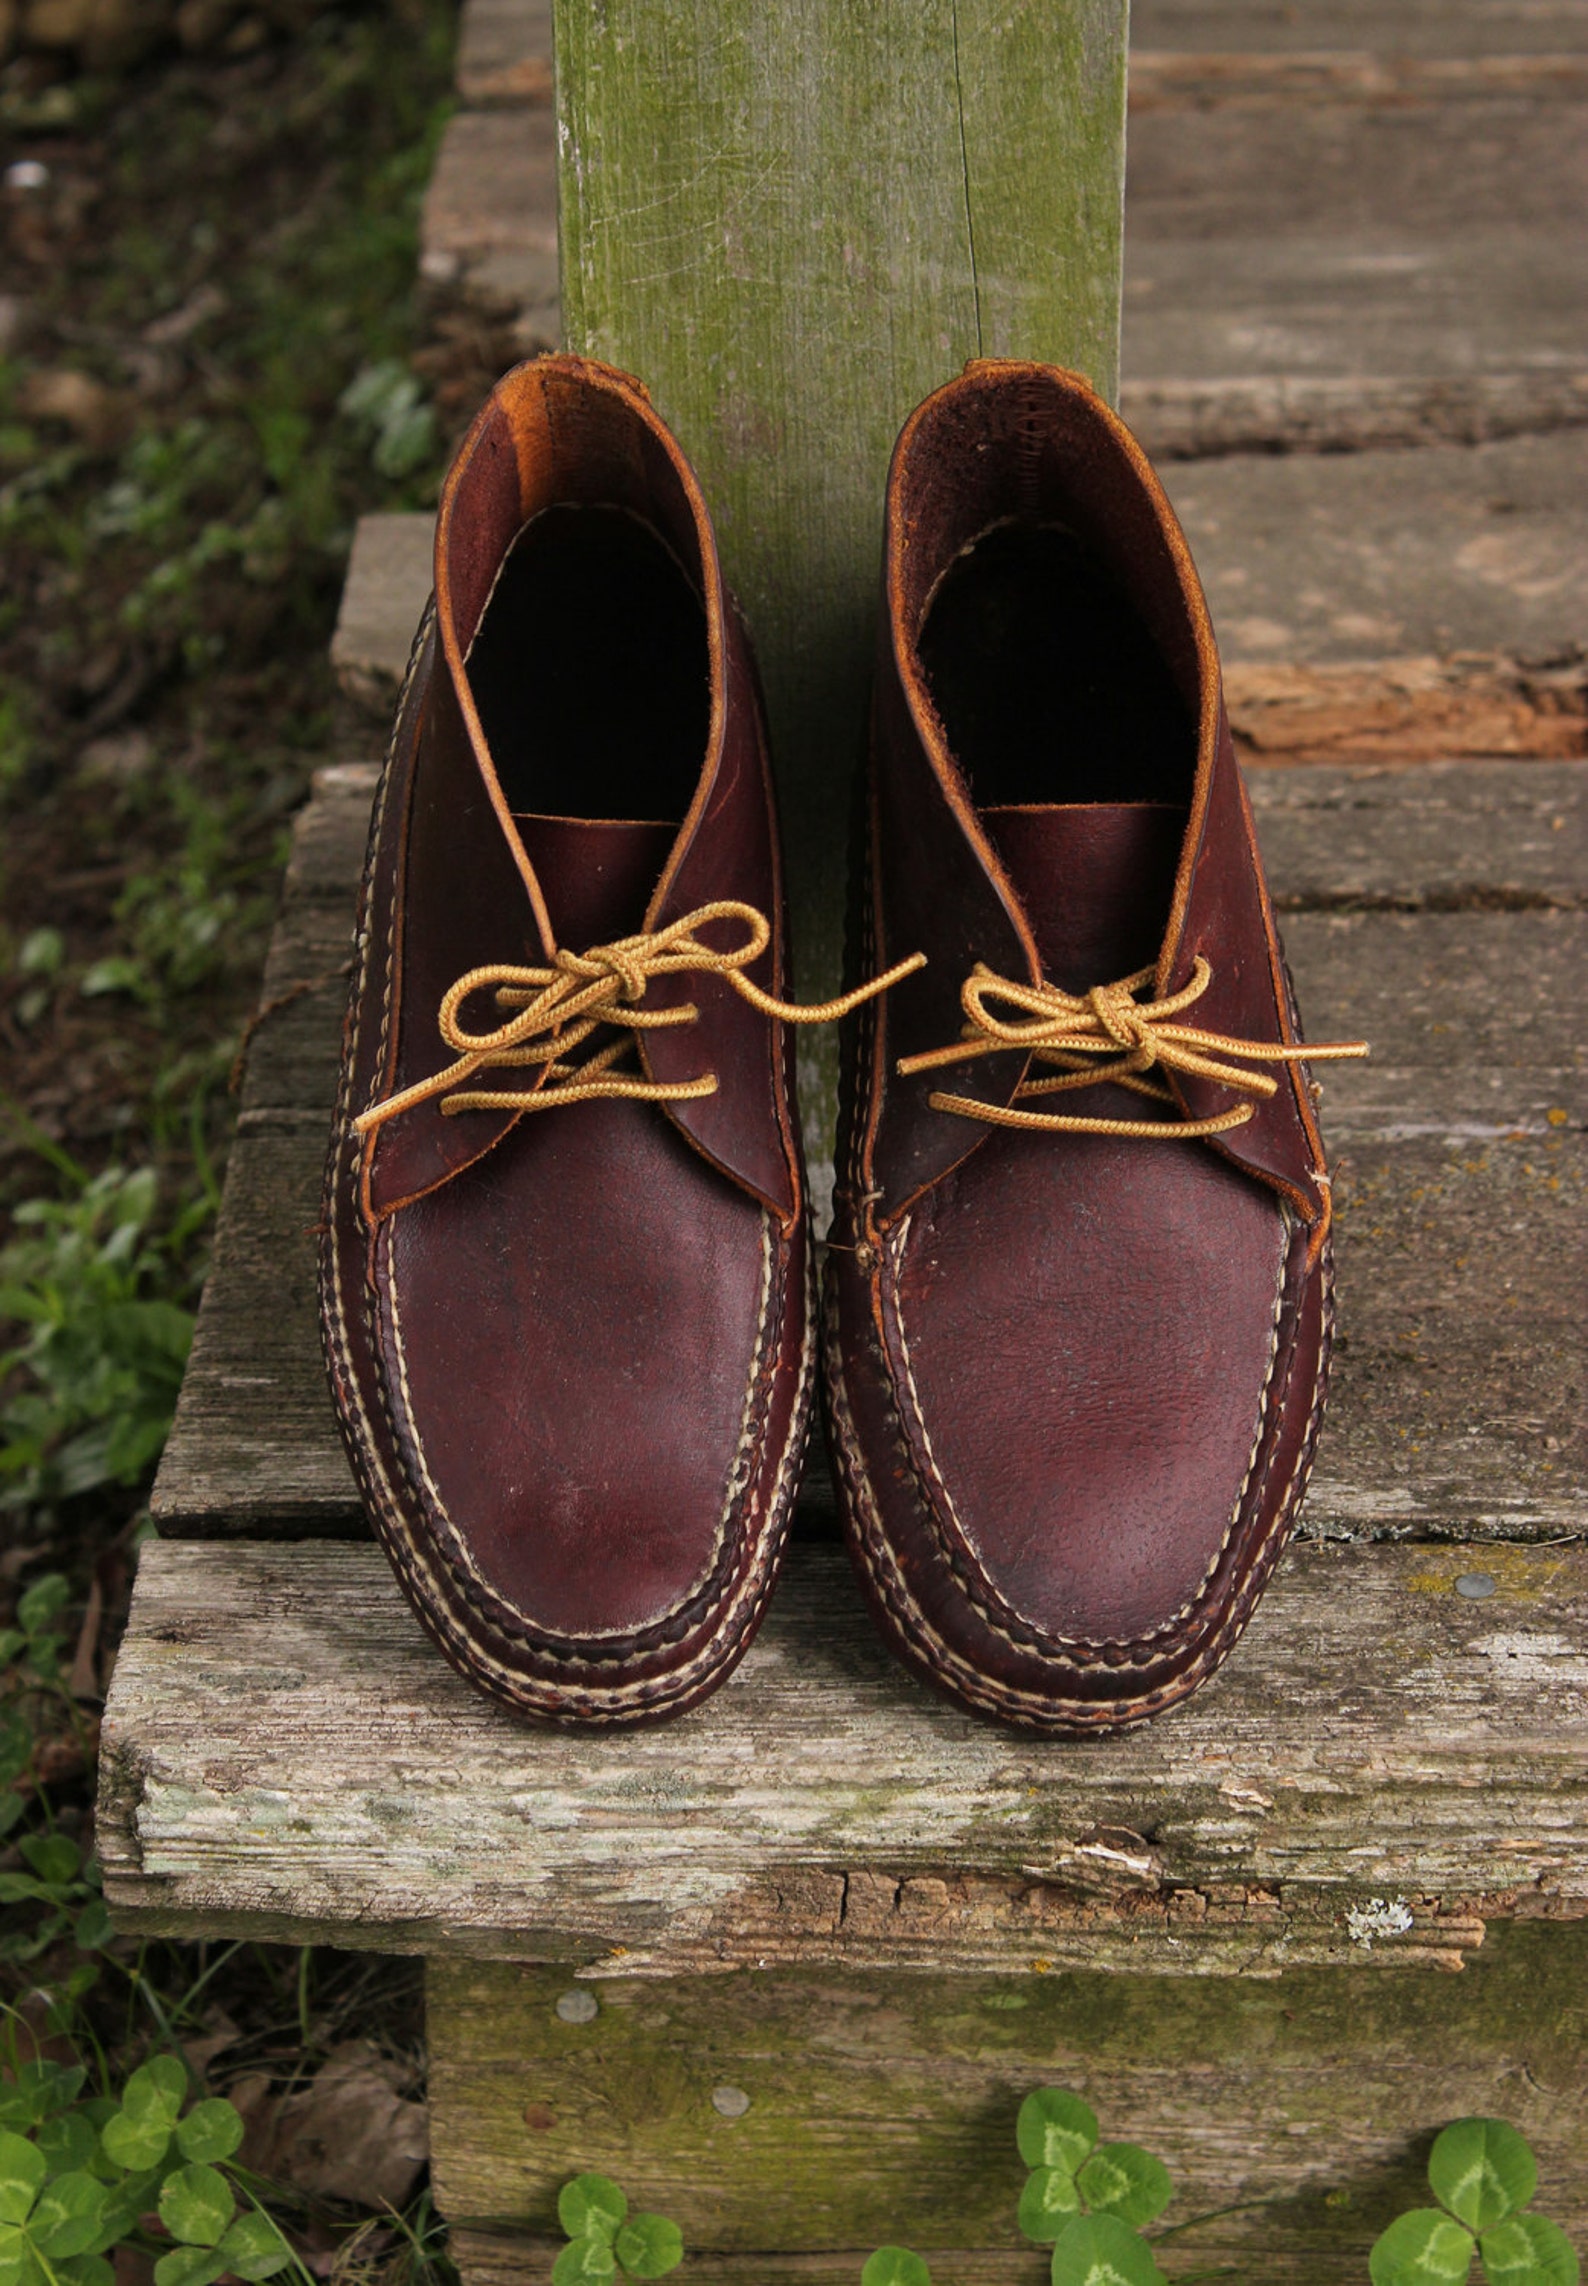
(739, 1473)
(981, 1591)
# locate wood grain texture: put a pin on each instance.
(285, 1755)
(1440, 916)
(793, 223)
(504, 52)
(882, 2107)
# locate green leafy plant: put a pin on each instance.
(80, 2177)
(87, 1393)
(1085, 2198)
(1483, 2175)
(388, 404)
(604, 2239)
(895, 2266)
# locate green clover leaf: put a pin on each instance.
(157, 2088)
(55, 1858)
(1055, 2129)
(1528, 2250)
(84, 2270)
(648, 2246)
(592, 2206)
(22, 2171)
(196, 2204)
(585, 2257)
(67, 2141)
(1100, 2250)
(189, 2266)
(895, 2266)
(1047, 2203)
(92, 1928)
(68, 2215)
(140, 2133)
(253, 2248)
(135, 2143)
(1482, 2170)
(15, 2254)
(1120, 2179)
(1423, 2248)
(212, 2130)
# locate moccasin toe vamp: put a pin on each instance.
(584, 1405)
(1082, 1338)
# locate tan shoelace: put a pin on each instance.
(559, 1006)
(1110, 1036)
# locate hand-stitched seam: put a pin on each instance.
(919, 1641)
(618, 1701)
(996, 1613)
(614, 1702)
(699, 1601)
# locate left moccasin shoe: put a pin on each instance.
(1079, 1311)
(564, 1265)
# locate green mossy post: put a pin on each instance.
(792, 222)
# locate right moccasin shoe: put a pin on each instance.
(1079, 1299)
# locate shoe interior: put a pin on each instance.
(1047, 680)
(591, 670)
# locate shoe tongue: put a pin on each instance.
(1096, 880)
(597, 874)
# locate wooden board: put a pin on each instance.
(882, 2107)
(1428, 28)
(504, 52)
(286, 1756)
(1445, 896)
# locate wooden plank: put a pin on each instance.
(1446, 1429)
(1414, 28)
(1457, 836)
(488, 2259)
(504, 52)
(882, 2107)
(383, 595)
(1209, 417)
(1170, 79)
(1396, 712)
(1368, 554)
(285, 1756)
(793, 223)
(488, 227)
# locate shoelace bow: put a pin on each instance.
(1110, 1036)
(560, 1005)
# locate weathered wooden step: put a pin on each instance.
(285, 1755)
(1385, 563)
(1441, 916)
(1419, 28)
(881, 2107)
(504, 52)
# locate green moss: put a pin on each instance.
(883, 2106)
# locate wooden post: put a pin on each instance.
(792, 222)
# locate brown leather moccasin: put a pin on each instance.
(1078, 1312)
(564, 1271)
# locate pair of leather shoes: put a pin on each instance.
(1077, 1311)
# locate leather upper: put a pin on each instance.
(1075, 1378)
(965, 459)
(570, 1345)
